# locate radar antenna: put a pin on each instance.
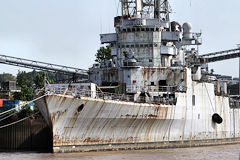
(162, 10)
(137, 8)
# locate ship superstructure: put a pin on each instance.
(155, 91)
(149, 52)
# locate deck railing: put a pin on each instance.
(234, 103)
(167, 89)
(110, 96)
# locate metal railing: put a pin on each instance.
(170, 89)
(77, 93)
(234, 103)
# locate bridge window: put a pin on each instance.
(162, 83)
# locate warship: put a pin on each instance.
(154, 92)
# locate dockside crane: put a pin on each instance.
(220, 56)
(77, 73)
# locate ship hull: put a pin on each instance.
(91, 124)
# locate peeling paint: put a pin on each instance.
(118, 122)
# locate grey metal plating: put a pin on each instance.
(161, 91)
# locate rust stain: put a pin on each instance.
(62, 99)
(93, 136)
(152, 116)
(131, 116)
(104, 141)
(162, 112)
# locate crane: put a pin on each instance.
(220, 56)
(43, 66)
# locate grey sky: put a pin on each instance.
(67, 31)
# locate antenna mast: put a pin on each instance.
(162, 10)
(137, 8)
(125, 8)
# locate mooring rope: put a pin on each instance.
(8, 116)
(22, 105)
(10, 124)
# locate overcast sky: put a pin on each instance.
(67, 31)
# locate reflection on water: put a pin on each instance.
(224, 152)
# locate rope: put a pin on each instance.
(10, 110)
(209, 96)
(8, 116)
(4, 126)
(22, 105)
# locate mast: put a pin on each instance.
(162, 9)
(136, 8)
(238, 45)
(125, 7)
(139, 8)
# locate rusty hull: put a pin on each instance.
(86, 124)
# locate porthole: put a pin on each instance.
(80, 108)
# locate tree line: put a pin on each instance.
(28, 82)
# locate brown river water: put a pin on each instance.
(223, 152)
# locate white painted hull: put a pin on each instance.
(110, 125)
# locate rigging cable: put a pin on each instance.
(4, 126)
(8, 116)
(117, 6)
(209, 96)
(22, 105)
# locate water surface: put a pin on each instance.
(223, 152)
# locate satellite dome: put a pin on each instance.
(187, 31)
(187, 27)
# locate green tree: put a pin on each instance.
(26, 94)
(39, 80)
(25, 81)
(5, 77)
(57, 77)
(29, 81)
(104, 53)
(24, 78)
